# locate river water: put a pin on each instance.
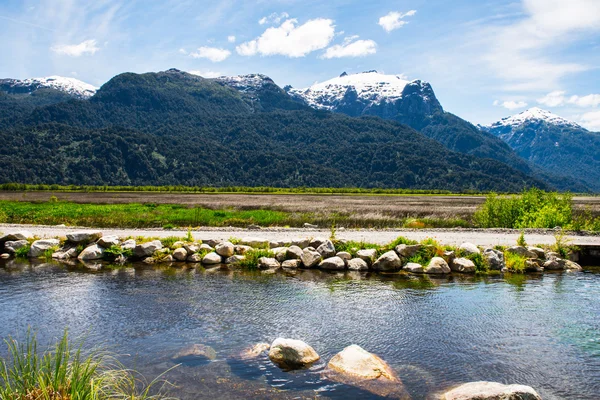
(538, 330)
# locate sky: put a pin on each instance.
(485, 59)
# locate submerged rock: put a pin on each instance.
(211, 259)
(491, 391)
(289, 354)
(290, 264)
(254, 351)
(195, 352)
(388, 262)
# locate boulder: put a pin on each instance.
(14, 236)
(268, 263)
(65, 253)
(254, 351)
(290, 264)
(572, 266)
(414, 268)
(13, 245)
(357, 264)
(533, 265)
(317, 241)
(289, 354)
(344, 255)
(211, 242)
(369, 255)
(180, 254)
(301, 242)
(538, 251)
(280, 253)
(147, 249)
(522, 251)
(234, 259)
(469, 248)
(211, 259)
(192, 248)
(276, 243)
(5, 256)
(225, 249)
(327, 249)
(491, 391)
(39, 247)
(462, 265)
(333, 264)
(241, 249)
(407, 250)
(128, 244)
(84, 236)
(310, 258)
(205, 247)
(494, 259)
(437, 265)
(93, 252)
(293, 253)
(108, 241)
(194, 258)
(195, 352)
(388, 262)
(449, 257)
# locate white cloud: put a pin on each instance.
(394, 20)
(290, 39)
(591, 100)
(356, 48)
(213, 54)
(274, 18)
(553, 99)
(76, 50)
(231, 39)
(511, 104)
(206, 74)
(558, 98)
(591, 120)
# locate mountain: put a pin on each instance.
(555, 144)
(174, 128)
(70, 86)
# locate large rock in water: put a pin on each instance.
(333, 264)
(289, 354)
(147, 249)
(195, 352)
(388, 262)
(327, 249)
(462, 265)
(491, 391)
(225, 249)
(93, 252)
(494, 259)
(357, 367)
(437, 265)
(13, 245)
(310, 258)
(39, 247)
(84, 236)
(357, 264)
(368, 255)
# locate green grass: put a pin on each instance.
(251, 258)
(115, 251)
(515, 262)
(22, 252)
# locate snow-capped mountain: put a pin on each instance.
(71, 86)
(533, 115)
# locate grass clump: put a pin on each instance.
(22, 252)
(169, 241)
(352, 246)
(251, 258)
(521, 240)
(562, 245)
(515, 262)
(116, 251)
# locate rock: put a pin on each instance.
(195, 352)
(149, 260)
(84, 236)
(108, 241)
(128, 244)
(301, 242)
(290, 264)
(147, 249)
(469, 248)
(357, 367)
(273, 244)
(551, 254)
(449, 256)
(211, 259)
(554, 264)
(255, 242)
(333, 264)
(254, 227)
(241, 249)
(357, 264)
(192, 248)
(289, 354)
(327, 249)
(13, 245)
(491, 391)
(254, 351)
(293, 253)
(93, 252)
(206, 247)
(494, 259)
(39, 247)
(268, 263)
(178, 245)
(14, 236)
(344, 255)
(522, 251)
(572, 266)
(211, 242)
(310, 226)
(388, 262)
(234, 259)
(5, 256)
(462, 265)
(194, 258)
(225, 249)
(407, 251)
(437, 265)
(180, 254)
(65, 253)
(310, 258)
(538, 252)
(317, 241)
(167, 259)
(280, 253)
(368, 255)
(533, 265)
(414, 268)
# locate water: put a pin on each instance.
(543, 330)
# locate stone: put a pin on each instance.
(180, 254)
(167, 259)
(84, 236)
(195, 352)
(211, 242)
(437, 265)
(108, 241)
(65, 253)
(268, 263)
(551, 254)
(13, 245)
(290, 264)
(462, 265)
(290, 354)
(194, 258)
(357, 264)
(255, 242)
(538, 251)
(449, 256)
(368, 255)
(491, 391)
(333, 264)
(276, 243)
(469, 248)
(414, 268)
(326, 249)
(280, 253)
(310, 226)
(147, 249)
(293, 253)
(494, 259)
(178, 244)
(14, 236)
(344, 255)
(317, 241)
(407, 250)
(254, 351)
(93, 252)
(39, 247)
(572, 266)
(192, 248)
(533, 265)
(149, 260)
(211, 259)
(241, 249)
(522, 251)
(388, 262)
(206, 247)
(234, 259)
(301, 242)
(225, 249)
(5, 256)
(310, 258)
(128, 244)
(254, 227)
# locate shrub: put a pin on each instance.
(115, 251)
(251, 258)
(22, 252)
(562, 244)
(168, 226)
(521, 240)
(515, 262)
(170, 240)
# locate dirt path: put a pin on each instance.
(446, 236)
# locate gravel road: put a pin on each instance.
(482, 237)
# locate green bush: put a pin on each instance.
(22, 252)
(515, 262)
(251, 258)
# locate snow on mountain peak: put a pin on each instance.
(370, 85)
(245, 83)
(534, 114)
(72, 86)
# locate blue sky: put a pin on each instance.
(484, 59)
